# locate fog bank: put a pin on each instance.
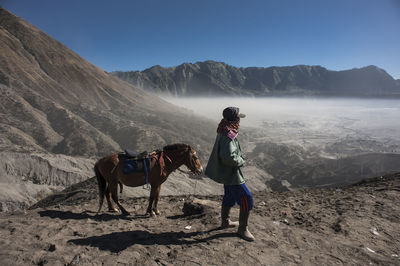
(335, 117)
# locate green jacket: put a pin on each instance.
(225, 162)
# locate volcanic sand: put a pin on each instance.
(355, 225)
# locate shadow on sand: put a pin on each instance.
(68, 215)
(119, 241)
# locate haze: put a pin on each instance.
(308, 120)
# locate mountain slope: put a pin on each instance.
(54, 100)
(216, 78)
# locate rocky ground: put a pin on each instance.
(354, 225)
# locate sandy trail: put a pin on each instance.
(357, 225)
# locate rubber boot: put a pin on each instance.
(243, 231)
(225, 221)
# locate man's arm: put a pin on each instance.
(229, 153)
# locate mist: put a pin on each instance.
(313, 141)
(304, 118)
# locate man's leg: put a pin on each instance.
(227, 203)
(246, 205)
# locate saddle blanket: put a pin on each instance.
(130, 165)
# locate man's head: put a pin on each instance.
(232, 114)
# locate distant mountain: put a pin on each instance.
(216, 78)
(53, 100)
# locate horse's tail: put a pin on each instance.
(102, 185)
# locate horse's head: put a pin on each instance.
(192, 161)
(184, 154)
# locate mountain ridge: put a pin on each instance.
(218, 78)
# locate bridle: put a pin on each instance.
(192, 153)
(192, 162)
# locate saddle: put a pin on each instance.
(134, 162)
(136, 155)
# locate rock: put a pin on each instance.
(199, 206)
(52, 248)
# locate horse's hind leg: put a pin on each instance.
(111, 207)
(156, 198)
(151, 200)
(114, 193)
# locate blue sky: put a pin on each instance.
(135, 35)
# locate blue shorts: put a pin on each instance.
(238, 194)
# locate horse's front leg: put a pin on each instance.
(156, 198)
(153, 193)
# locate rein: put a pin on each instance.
(185, 172)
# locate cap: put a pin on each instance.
(232, 113)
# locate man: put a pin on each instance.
(224, 167)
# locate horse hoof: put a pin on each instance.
(113, 210)
(157, 212)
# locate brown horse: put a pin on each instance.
(109, 174)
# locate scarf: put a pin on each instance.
(229, 128)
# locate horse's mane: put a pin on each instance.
(178, 146)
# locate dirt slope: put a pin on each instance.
(26, 178)
(355, 225)
(53, 100)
